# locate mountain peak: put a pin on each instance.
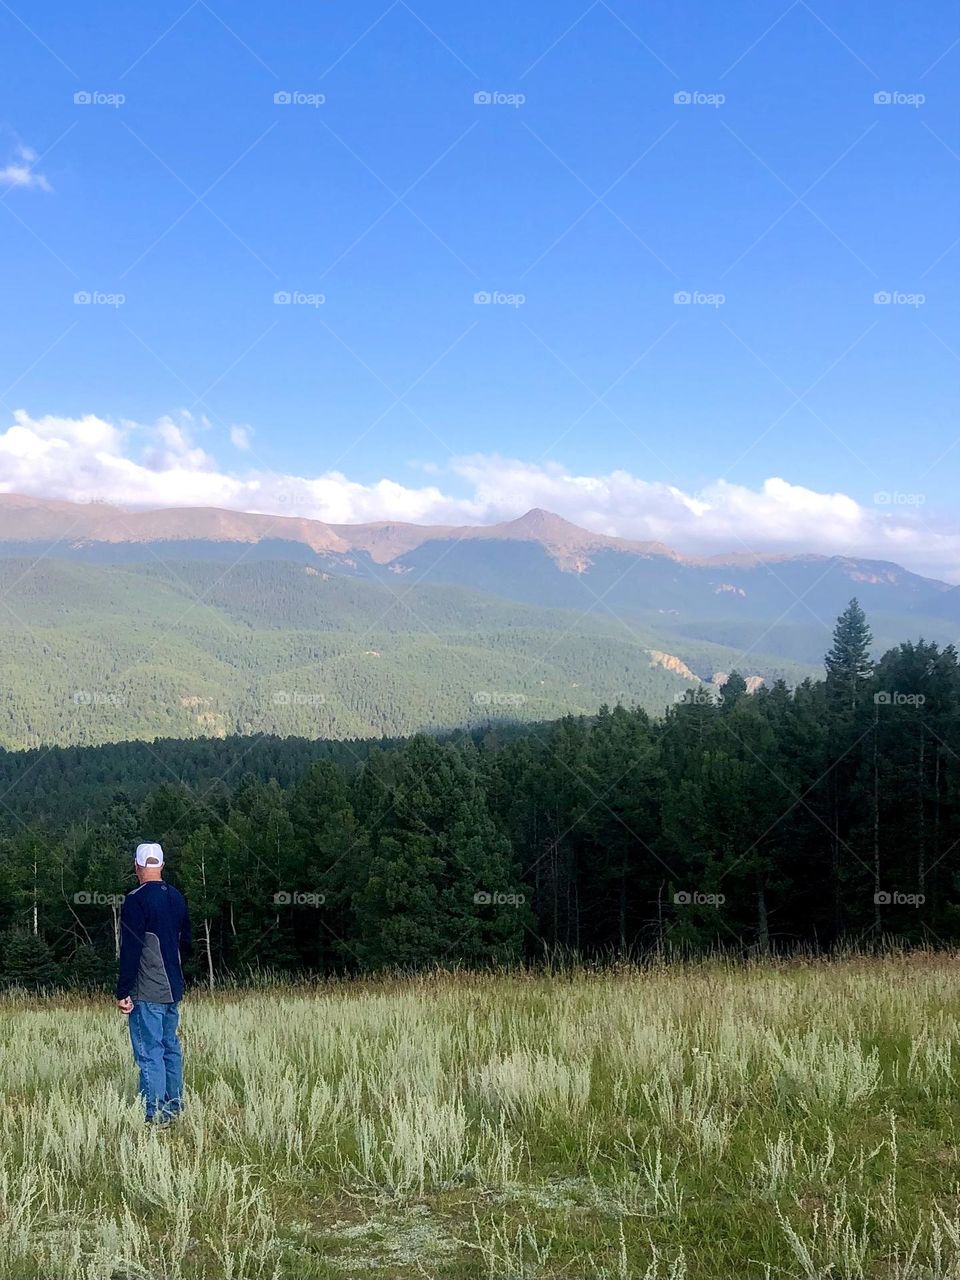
(562, 537)
(537, 520)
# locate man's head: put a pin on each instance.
(148, 862)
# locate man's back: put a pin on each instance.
(154, 930)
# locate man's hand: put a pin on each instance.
(125, 1005)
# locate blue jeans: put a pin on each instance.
(153, 1034)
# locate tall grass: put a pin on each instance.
(691, 1121)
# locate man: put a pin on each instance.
(154, 934)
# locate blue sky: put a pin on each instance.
(783, 198)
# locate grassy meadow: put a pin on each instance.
(693, 1122)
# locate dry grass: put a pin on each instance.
(787, 1122)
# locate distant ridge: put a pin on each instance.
(123, 624)
(384, 540)
(37, 519)
(30, 519)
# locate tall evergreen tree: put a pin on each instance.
(334, 845)
(848, 661)
(201, 880)
(734, 688)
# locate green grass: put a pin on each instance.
(698, 1122)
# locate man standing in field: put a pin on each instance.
(154, 934)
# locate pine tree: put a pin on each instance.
(27, 961)
(734, 688)
(848, 662)
(110, 869)
(266, 877)
(621, 869)
(397, 909)
(201, 880)
(88, 969)
(334, 848)
(440, 874)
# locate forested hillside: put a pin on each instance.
(92, 654)
(825, 814)
(192, 622)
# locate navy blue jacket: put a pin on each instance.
(154, 934)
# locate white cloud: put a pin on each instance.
(174, 448)
(19, 172)
(160, 466)
(241, 436)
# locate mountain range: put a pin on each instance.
(193, 621)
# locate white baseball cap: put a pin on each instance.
(147, 853)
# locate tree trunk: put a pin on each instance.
(877, 922)
(836, 858)
(623, 904)
(206, 931)
(763, 929)
(936, 811)
(921, 823)
(576, 915)
(554, 874)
